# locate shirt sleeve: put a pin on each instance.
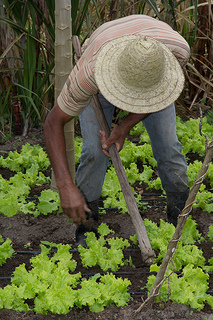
(79, 88)
(180, 48)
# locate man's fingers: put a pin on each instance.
(103, 139)
(82, 217)
(106, 153)
(78, 216)
(86, 208)
(102, 135)
(104, 146)
(72, 215)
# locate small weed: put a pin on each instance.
(27, 245)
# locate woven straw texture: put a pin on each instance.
(138, 74)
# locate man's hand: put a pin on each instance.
(119, 133)
(73, 204)
(115, 137)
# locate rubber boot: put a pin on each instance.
(175, 205)
(91, 224)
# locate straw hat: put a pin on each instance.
(138, 74)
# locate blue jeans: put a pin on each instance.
(161, 127)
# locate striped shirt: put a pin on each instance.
(81, 85)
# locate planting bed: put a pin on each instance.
(26, 233)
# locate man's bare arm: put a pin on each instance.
(72, 201)
(55, 143)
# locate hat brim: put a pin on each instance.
(132, 98)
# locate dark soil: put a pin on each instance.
(25, 229)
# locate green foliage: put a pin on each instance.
(49, 201)
(188, 254)
(105, 252)
(210, 233)
(131, 152)
(134, 239)
(186, 251)
(48, 282)
(6, 250)
(31, 160)
(29, 155)
(156, 184)
(188, 133)
(210, 117)
(4, 108)
(52, 286)
(193, 170)
(190, 233)
(138, 130)
(14, 200)
(12, 195)
(159, 236)
(112, 189)
(204, 201)
(108, 291)
(13, 192)
(78, 145)
(33, 61)
(204, 197)
(129, 155)
(189, 288)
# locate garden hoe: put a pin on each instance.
(148, 254)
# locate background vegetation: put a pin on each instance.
(27, 52)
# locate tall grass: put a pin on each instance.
(33, 60)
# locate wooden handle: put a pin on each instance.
(146, 250)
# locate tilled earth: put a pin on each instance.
(25, 229)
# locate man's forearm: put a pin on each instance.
(56, 148)
(73, 203)
(131, 120)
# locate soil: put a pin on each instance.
(25, 229)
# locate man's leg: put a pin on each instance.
(172, 166)
(93, 164)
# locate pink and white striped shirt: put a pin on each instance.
(81, 85)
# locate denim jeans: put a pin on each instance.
(161, 127)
